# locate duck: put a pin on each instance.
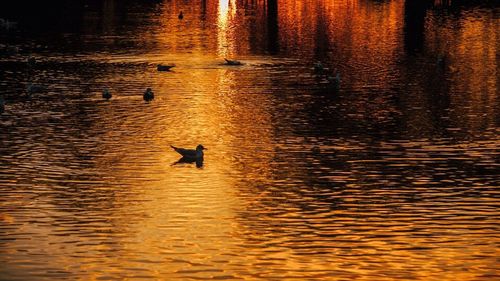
(441, 61)
(2, 105)
(320, 69)
(180, 16)
(9, 50)
(232, 62)
(148, 95)
(164, 67)
(334, 81)
(190, 153)
(106, 94)
(6, 24)
(32, 89)
(31, 61)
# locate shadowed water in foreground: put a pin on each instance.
(392, 176)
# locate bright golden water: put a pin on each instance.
(395, 177)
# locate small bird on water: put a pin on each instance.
(106, 94)
(320, 69)
(232, 62)
(33, 88)
(334, 81)
(148, 95)
(164, 67)
(180, 16)
(442, 61)
(190, 153)
(2, 105)
(31, 61)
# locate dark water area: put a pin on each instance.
(391, 176)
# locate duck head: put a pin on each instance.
(200, 147)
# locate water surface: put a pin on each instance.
(392, 177)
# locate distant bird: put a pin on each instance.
(319, 69)
(2, 105)
(334, 81)
(6, 24)
(232, 62)
(441, 61)
(165, 67)
(31, 61)
(106, 94)
(10, 50)
(33, 89)
(148, 95)
(180, 16)
(190, 153)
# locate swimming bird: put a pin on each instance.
(180, 16)
(31, 61)
(32, 89)
(6, 24)
(9, 50)
(320, 69)
(148, 95)
(190, 153)
(106, 94)
(232, 62)
(2, 105)
(164, 67)
(334, 81)
(441, 61)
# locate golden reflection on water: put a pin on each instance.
(225, 31)
(296, 183)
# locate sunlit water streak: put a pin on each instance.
(395, 177)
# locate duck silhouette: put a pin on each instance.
(31, 61)
(6, 24)
(2, 105)
(190, 154)
(232, 62)
(319, 69)
(106, 94)
(148, 95)
(33, 89)
(180, 16)
(164, 67)
(334, 81)
(442, 62)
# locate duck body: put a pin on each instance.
(106, 94)
(10, 50)
(441, 62)
(232, 62)
(2, 105)
(148, 95)
(334, 81)
(163, 67)
(31, 61)
(180, 16)
(32, 89)
(6, 24)
(320, 69)
(190, 153)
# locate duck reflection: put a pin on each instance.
(189, 160)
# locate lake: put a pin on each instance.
(394, 175)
